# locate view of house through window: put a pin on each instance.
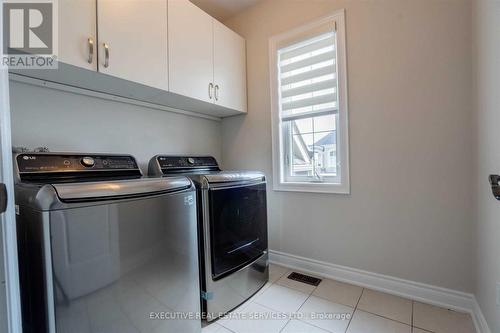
(313, 148)
(309, 109)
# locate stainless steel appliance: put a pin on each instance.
(232, 222)
(102, 249)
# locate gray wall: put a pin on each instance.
(487, 28)
(410, 210)
(69, 122)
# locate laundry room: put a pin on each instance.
(249, 166)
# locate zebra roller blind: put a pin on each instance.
(308, 78)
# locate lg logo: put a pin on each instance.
(28, 27)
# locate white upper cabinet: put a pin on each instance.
(171, 45)
(190, 51)
(133, 40)
(77, 33)
(229, 68)
(206, 59)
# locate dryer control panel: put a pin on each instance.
(166, 164)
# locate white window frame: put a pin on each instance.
(279, 183)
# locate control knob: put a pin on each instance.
(88, 162)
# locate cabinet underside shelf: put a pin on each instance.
(85, 82)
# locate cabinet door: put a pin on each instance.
(77, 24)
(133, 40)
(190, 40)
(229, 68)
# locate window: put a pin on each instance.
(309, 107)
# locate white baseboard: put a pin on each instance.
(443, 297)
(479, 320)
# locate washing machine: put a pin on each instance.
(102, 249)
(232, 224)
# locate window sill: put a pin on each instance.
(312, 188)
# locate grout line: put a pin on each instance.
(283, 274)
(300, 307)
(412, 306)
(220, 326)
(329, 300)
(276, 283)
(393, 320)
(311, 294)
(355, 308)
(387, 318)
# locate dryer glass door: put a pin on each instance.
(238, 227)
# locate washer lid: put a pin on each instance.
(105, 190)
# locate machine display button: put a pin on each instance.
(88, 162)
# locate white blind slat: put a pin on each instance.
(318, 86)
(315, 73)
(302, 103)
(295, 52)
(330, 55)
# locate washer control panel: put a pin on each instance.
(48, 162)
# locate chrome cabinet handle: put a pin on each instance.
(106, 55)
(210, 89)
(91, 50)
(216, 92)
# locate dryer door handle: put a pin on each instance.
(3, 198)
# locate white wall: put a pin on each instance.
(487, 28)
(69, 122)
(409, 213)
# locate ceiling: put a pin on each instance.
(224, 9)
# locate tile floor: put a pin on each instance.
(354, 310)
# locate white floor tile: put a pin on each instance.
(254, 318)
(214, 328)
(116, 327)
(364, 322)
(74, 323)
(178, 325)
(315, 306)
(105, 314)
(297, 326)
(338, 292)
(300, 286)
(440, 320)
(281, 298)
(258, 293)
(385, 305)
(275, 272)
(418, 330)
